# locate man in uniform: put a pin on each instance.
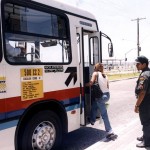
(142, 105)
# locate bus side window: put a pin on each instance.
(47, 36)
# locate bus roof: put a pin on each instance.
(67, 8)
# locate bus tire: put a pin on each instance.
(42, 131)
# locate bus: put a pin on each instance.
(47, 53)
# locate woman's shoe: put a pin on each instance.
(92, 123)
(111, 136)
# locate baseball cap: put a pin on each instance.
(141, 59)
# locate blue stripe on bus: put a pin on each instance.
(2, 116)
(71, 101)
(72, 104)
(14, 113)
(8, 124)
(69, 108)
(69, 104)
(13, 123)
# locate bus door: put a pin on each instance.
(93, 56)
(81, 72)
(89, 54)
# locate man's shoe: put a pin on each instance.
(142, 145)
(140, 138)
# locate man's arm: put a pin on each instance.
(140, 98)
(142, 88)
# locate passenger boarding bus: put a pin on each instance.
(47, 53)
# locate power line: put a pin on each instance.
(138, 43)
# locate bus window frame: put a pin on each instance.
(92, 57)
(45, 9)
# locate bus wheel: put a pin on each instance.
(42, 132)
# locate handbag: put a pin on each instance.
(96, 90)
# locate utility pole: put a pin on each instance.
(138, 43)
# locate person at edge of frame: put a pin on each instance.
(99, 103)
(142, 106)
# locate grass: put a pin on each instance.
(122, 76)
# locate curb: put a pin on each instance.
(122, 79)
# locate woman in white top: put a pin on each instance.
(99, 103)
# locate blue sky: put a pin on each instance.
(114, 18)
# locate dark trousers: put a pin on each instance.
(144, 113)
(146, 134)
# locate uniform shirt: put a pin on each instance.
(103, 82)
(143, 82)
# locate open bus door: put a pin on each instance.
(88, 54)
(95, 56)
(81, 72)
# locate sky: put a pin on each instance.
(115, 18)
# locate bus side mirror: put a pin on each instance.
(110, 50)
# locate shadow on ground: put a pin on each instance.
(82, 138)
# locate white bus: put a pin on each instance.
(47, 53)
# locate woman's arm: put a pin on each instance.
(93, 78)
(107, 82)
